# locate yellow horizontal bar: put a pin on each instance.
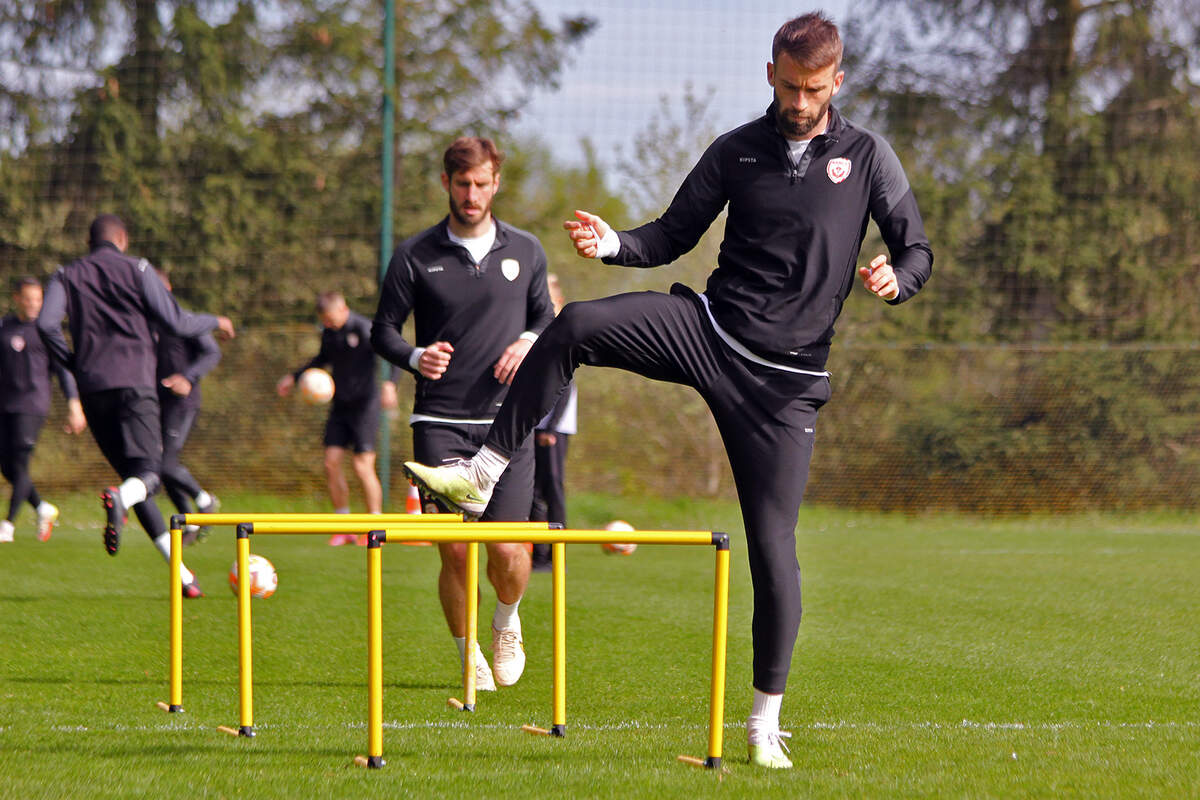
(339, 527)
(229, 518)
(506, 532)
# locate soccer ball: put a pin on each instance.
(618, 548)
(263, 579)
(316, 386)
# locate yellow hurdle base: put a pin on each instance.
(170, 709)
(370, 762)
(458, 705)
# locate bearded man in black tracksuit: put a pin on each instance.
(111, 302)
(799, 184)
(477, 288)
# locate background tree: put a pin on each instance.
(1055, 154)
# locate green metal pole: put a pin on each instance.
(388, 169)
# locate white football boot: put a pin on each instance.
(508, 655)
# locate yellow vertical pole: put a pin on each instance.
(245, 634)
(559, 633)
(175, 592)
(375, 649)
(716, 719)
(472, 610)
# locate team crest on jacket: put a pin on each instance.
(510, 268)
(352, 339)
(838, 169)
(18, 343)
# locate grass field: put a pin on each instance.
(939, 656)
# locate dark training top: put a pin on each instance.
(479, 309)
(793, 232)
(347, 353)
(25, 368)
(192, 358)
(111, 301)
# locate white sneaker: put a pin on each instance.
(508, 654)
(458, 484)
(47, 515)
(484, 682)
(767, 749)
(6, 531)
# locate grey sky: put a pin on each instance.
(645, 49)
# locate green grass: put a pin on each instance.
(939, 656)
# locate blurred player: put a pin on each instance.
(111, 302)
(353, 422)
(800, 184)
(477, 289)
(25, 368)
(182, 362)
(550, 453)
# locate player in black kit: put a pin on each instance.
(182, 362)
(25, 368)
(799, 185)
(111, 302)
(353, 422)
(477, 289)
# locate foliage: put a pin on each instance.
(1055, 162)
(241, 139)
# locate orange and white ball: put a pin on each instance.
(619, 548)
(263, 578)
(316, 386)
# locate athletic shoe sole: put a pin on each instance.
(116, 518)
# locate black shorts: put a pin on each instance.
(125, 425)
(434, 442)
(355, 428)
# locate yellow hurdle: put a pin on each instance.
(359, 523)
(441, 528)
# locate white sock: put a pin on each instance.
(490, 463)
(764, 712)
(163, 543)
(132, 492)
(506, 616)
(461, 643)
(203, 500)
(342, 510)
(6, 530)
(45, 509)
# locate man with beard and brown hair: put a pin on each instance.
(477, 289)
(799, 184)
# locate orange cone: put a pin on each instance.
(412, 505)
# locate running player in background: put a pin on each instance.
(182, 362)
(111, 302)
(476, 287)
(25, 368)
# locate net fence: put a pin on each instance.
(1051, 364)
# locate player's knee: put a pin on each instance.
(575, 323)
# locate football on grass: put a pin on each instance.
(618, 548)
(316, 386)
(263, 579)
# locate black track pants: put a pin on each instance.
(766, 417)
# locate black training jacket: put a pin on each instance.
(192, 358)
(25, 369)
(793, 233)
(479, 310)
(111, 302)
